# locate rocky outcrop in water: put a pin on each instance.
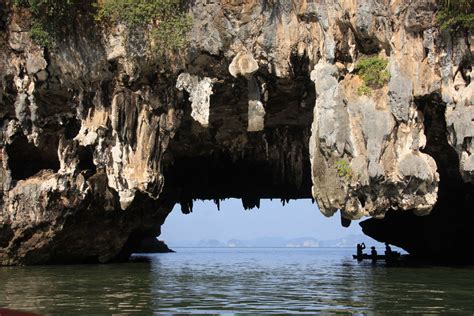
(99, 139)
(151, 245)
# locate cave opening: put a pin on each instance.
(221, 176)
(276, 223)
(86, 158)
(26, 160)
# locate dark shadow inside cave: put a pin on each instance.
(86, 158)
(222, 176)
(25, 159)
(210, 163)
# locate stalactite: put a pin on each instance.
(249, 203)
(218, 203)
(186, 205)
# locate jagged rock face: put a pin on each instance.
(99, 139)
(385, 168)
(379, 137)
(444, 234)
(82, 142)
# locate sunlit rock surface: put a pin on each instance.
(99, 139)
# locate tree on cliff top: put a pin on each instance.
(456, 14)
(169, 23)
(51, 19)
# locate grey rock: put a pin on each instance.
(100, 138)
(400, 95)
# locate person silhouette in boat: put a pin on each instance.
(373, 253)
(388, 250)
(360, 250)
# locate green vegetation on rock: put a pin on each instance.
(41, 36)
(343, 169)
(51, 19)
(374, 73)
(169, 23)
(456, 14)
(51, 8)
(364, 90)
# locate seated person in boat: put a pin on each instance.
(360, 249)
(373, 253)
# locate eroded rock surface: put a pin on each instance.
(99, 139)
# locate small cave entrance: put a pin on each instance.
(25, 159)
(86, 158)
(71, 128)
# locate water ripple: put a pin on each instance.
(300, 281)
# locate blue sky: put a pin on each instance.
(299, 218)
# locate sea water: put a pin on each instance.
(238, 280)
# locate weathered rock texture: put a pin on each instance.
(99, 138)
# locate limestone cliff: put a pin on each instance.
(99, 138)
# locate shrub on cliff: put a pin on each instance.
(343, 169)
(456, 14)
(374, 73)
(169, 24)
(51, 19)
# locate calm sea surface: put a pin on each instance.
(231, 281)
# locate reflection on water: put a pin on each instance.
(237, 280)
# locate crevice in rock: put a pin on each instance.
(86, 158)
(362, 200)
(343, 47)
(465, 68)
(72, 128)
(206, 65)
(6, 234)
(300, 65)
(112, 66)
(106, 86)
(3, 16)
(366, 44)
(437, 145)
(8, 95)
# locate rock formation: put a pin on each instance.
(100, 138)
(151, 245)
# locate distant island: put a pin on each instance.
(300, 242)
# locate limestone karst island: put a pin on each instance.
(236, 156)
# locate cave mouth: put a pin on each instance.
(86, 158)
(221, 176)
(26, 160)
(276, 223)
